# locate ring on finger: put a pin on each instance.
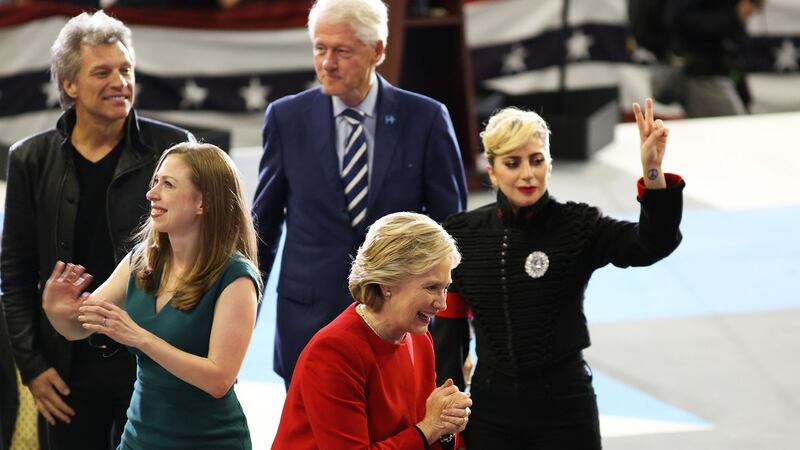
(104, 321)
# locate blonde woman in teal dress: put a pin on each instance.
(183, 301)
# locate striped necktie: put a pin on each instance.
(354, 167)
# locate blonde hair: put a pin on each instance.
(511, 128)
(226, 227)
(398, 246)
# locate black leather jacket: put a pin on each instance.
(40, 220)
(9, 396)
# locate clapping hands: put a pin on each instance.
(104, 317)
(447, 411)
(64, 290)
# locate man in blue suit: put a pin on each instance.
(338, 157)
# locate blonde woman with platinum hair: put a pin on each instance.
(527, 259)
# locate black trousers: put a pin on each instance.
(555, 410)
(101, 385)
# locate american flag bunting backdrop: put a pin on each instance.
(223, 68)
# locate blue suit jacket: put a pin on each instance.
(416, 166)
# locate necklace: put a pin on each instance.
(361, 309)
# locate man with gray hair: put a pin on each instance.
(336, 158)
(75, 193)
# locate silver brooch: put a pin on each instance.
(536, 264)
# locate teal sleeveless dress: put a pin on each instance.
(166, 412)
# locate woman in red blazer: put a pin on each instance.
(368, 380)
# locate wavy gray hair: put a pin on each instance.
(65, 54)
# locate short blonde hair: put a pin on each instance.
(398, 246)
(511, 128)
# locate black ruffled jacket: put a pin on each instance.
(523, 324)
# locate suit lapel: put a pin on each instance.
(387, 132)
(322, 138)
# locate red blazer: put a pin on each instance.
(353, 390)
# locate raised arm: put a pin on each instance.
(657, 233)
(652, 145)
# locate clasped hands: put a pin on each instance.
(447, 411)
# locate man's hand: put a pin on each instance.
(47, 389)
